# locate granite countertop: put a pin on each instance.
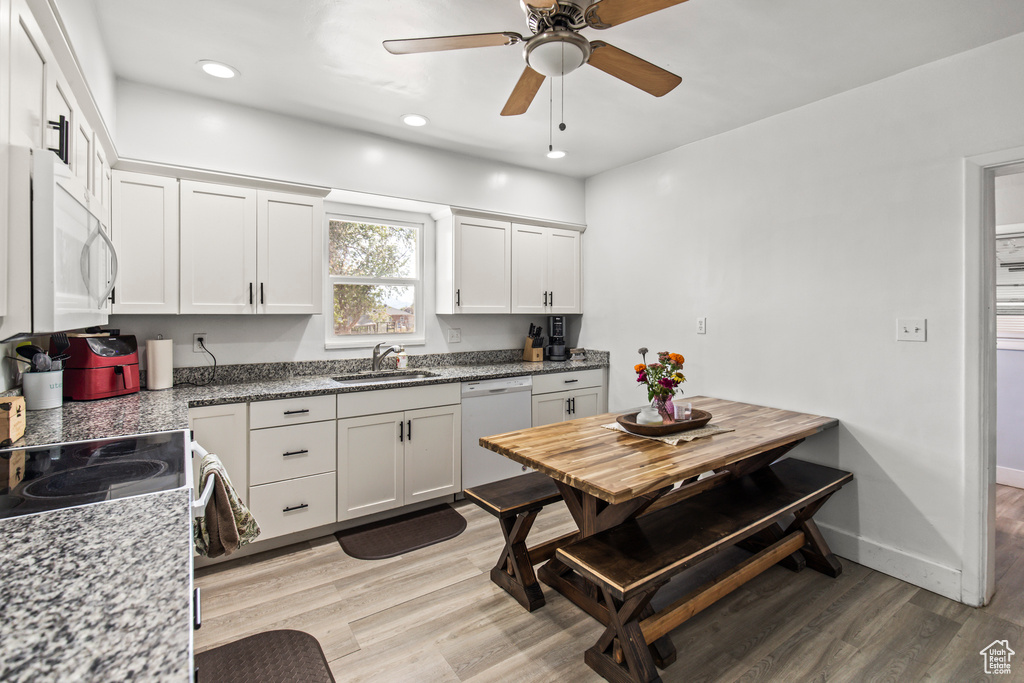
(155, 411)
(100, 592)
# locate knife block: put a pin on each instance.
(531, 354)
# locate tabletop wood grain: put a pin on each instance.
(617, 467)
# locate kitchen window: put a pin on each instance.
(375, 281)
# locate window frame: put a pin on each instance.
(374, 217)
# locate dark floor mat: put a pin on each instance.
(402, 534)
(268, 657)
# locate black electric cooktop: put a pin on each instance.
(42, 478)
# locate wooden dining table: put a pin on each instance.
(608, 477)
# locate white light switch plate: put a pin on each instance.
(454, 335)
(911, 329)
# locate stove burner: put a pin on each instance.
(92, 479)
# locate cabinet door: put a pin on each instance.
(433, 453)
(483, 261)
(563, 271)
(144, 221)
(550, 408)
(529, 269)
(30, 61)
(289, 248)
(586, 402)
(224, 430)
(218, 248)
(370, 464)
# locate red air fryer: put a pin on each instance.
(101, 367)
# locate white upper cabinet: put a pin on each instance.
(218, 248)
(144, 221)
(289, 248)
(29, 66)
(482, 257)
(545, 270)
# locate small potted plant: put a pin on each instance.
(661, 379)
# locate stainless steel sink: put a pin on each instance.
(382, 377)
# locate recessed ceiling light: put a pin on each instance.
(415, 120)
(218, 69)
(555, 154)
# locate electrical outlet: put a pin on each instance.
(196, 347)
(454, 335)
(702, 325)
(911, 329)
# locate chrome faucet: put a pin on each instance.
(378, 356)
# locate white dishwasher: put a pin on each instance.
(492, 406)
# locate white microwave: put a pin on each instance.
(74, 265)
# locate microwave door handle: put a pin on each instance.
(84, 262)
(113, 266)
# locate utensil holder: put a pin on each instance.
(43, 390)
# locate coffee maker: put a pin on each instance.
(556, 350)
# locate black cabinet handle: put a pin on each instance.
(250, 294)
(285, 455)
(261, 293)
(545, 297)
(197, 615)
(401, 431)
(295, 507)
(570, 381)
(408, 430)
(113, 296)
(573, 399)
(296, 412)
(458, 297)
(568, 406)
(61, 125)
(551, 299)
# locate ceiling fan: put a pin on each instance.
(557, 48)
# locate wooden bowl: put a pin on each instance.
(698, 418)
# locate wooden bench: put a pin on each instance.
(630, 562)
(516, 503)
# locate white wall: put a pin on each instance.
(79, 19)
(1010, 417)
(170, 127)
(802, 238)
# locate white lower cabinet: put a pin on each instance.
(224, 430)
(554, 400)
(389, 460)
(280, 453)
(292, 505)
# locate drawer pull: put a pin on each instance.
(285, 455)
(296, 412)
(571, 381)
(295, 507)
(197, 616)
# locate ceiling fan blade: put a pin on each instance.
(436, 44)
(631, 69)
(608, 13)
(523, 94)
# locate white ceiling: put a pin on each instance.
(740, 61)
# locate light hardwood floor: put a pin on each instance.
(433, 615)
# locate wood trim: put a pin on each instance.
(660, 624)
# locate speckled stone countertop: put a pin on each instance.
(100, 592)
(154, 411)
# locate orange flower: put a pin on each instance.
(676, 358)
(639, 367)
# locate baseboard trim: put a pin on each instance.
(1010, 477)
(937, 578)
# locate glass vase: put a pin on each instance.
(666, 409)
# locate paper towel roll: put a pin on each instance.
(159, 363)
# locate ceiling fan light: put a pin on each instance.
(555, 153)
(415, 120)
(217, 69)
(556, 53)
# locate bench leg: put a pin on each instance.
(621, 654)
(514, 570)
(816, 551)
(768, 536)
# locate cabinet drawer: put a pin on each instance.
(281, 453)
(561, 381)
(294, 505)
(358, 403)
(288, 411)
